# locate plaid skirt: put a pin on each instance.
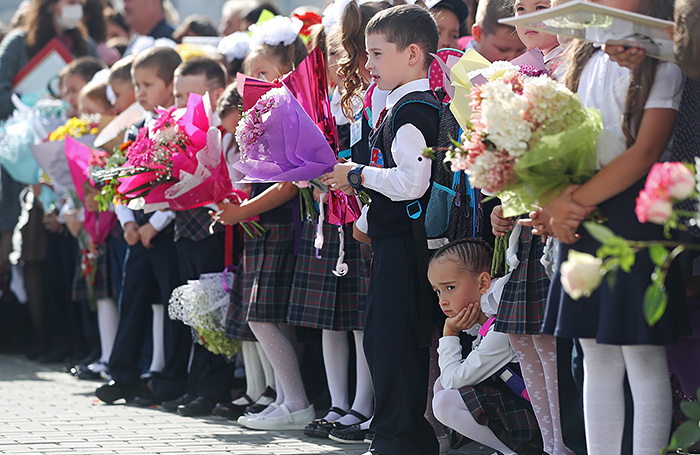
(103, 284)
(511, 418)
(320, 299)
(263, 280)
(524, 298)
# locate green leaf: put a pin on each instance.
(599, 232)
(658, 254)
(655, 301)
(611, 278)
(691, 409)
(685, 435)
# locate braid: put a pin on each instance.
(471, 254)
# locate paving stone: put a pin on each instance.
(45, 410)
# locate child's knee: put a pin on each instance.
(442, 402)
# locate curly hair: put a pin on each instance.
(352, 25)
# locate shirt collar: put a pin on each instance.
(418, 85)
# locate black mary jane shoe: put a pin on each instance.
(317, 428)
(324, 429)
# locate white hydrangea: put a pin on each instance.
(278, 30)
(502, 113)
(235, 46)
(494, 71)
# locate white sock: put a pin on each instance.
(364, 392)
(604, 400)
(449, 408)
(107, 323)
(254, 376)
(268, 371)
(283, 359)
(336, 353)
(158, 357)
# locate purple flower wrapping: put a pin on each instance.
(289, 146)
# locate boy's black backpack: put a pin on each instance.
(453, 206)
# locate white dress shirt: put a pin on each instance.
(411, 176)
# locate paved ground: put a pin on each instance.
(44, 410)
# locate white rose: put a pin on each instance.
(683, 184)
(581, 274)
(659, 211)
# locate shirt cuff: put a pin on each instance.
(160, 219)
(124, 214)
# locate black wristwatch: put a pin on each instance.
(355, 178)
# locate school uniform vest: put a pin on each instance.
(387, 218)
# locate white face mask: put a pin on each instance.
(70, 17)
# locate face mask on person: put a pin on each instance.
(70, 17)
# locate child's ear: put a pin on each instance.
(477, 32)
(484, 282)
(415, 54)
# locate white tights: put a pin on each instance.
(449, 408)
(336, 355)
(258, 371)
(158, 356)
(283, 358)
(107, 323)
(537, 355)
(604, 368)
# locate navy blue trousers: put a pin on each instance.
(398, 365)
(210, 375)
(150, 275)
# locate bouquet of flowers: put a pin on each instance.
(177, 163)
(529, 137)
(75, 127)
(35, 115)
(51, 155)
(202, 304)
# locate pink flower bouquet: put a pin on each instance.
(529, 137)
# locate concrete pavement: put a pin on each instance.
(44, 410)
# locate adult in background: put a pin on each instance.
(44, 20)
(147, 17)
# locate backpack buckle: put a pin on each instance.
(414, 210)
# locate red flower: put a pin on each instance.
(309, 18)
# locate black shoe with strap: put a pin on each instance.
(312, 429)
(351, 435)
(323, 430)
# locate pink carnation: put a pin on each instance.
(653, 207)
(671, 181)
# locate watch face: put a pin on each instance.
(353, 178)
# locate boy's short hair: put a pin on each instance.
(213, 71)
(404, 25)
(490, 11)
(121, 70)
(687, 36)
(163, 60)
(86, 67)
